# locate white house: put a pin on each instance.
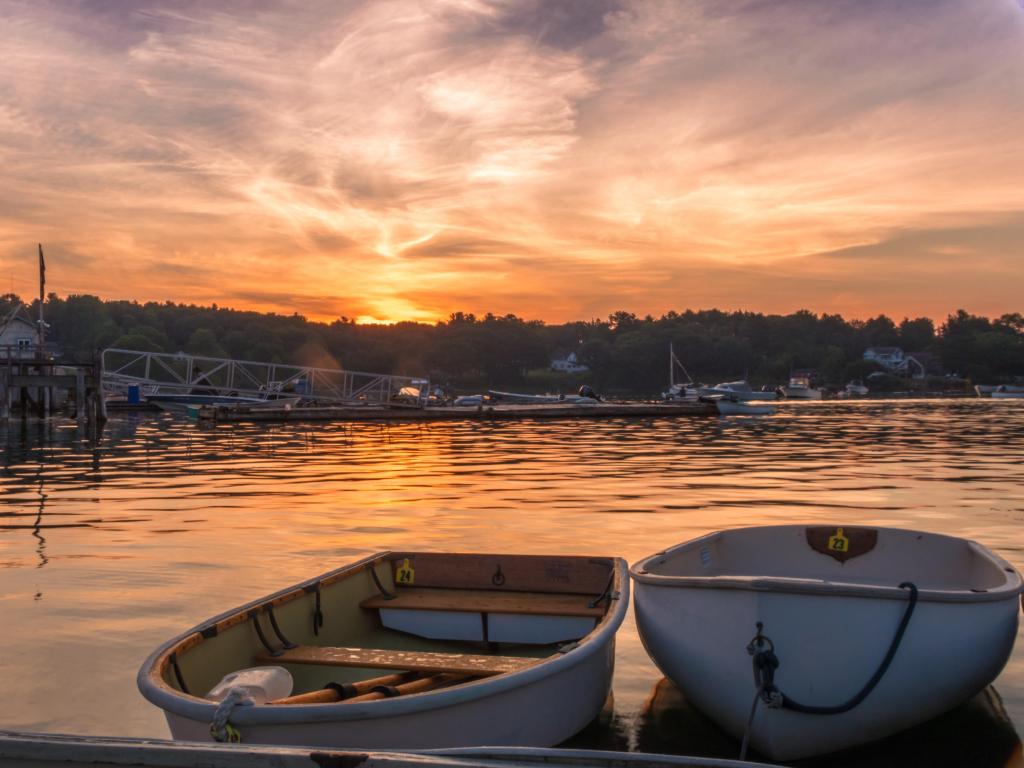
(568, 364)
(18, 335)
(887, 357)
(894, 360)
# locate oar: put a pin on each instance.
(329, 695)
(416, 686)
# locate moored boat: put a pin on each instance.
(729, 407)
(739, 390)
(1007, 392)
(799, 388)
(873, 629)
(403, 651)
(181, 403)
(856, 388)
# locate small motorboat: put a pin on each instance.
(516, 398)
(799, 388)
(1007, 392)
(403, 651)
(45, 750)
(856, 388)
(729, 407)
(854, 633)
(739, 390)
(181, 403)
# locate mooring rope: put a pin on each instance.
(765, 662)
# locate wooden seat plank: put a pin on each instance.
(487, 601)
(410, 661)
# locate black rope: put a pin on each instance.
(318, 615)
(288, 644)
(376, 580)
(263, 638)
(606, 592)
(766, 662)
(177, 673)
(344, 690)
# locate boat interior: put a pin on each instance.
(837, 554)
(401, 623)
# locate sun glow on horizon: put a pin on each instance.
(393, 161)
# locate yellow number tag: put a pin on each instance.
(837, 542)
(405, 573)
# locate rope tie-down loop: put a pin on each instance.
(765, 663)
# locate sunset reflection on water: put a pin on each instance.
(107, 550)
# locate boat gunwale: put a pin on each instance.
(151, 683)
(1011, 589)
(75, 749)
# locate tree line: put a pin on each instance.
(626, 353)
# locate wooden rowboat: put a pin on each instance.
(853, 633)
(405, 651)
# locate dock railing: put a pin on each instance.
(181, 373)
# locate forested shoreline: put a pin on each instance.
(626, 353)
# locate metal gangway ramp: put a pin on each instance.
(181, 373)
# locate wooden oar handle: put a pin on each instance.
(416, 686)
(330, 695)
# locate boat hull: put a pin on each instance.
(801, 393)
(542, 713)
(829, 644)
(744, 408)
(1007, 395)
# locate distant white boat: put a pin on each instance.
(521, 399)
(873, 629)
(727, 407)
(799, 388)
(179, 403)
(856, 388)
(469, 400)
(1008, 392)
(989, 390)
(738, 390)
(679, 391)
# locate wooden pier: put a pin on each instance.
(34, 383)
(453, 413)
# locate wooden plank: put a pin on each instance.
(423, 685)
(487, 601)
(514, 573)
(411, 661)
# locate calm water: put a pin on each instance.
(106, 550)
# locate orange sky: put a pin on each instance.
(558, 159)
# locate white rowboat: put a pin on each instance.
(831, 602)
(404, 651)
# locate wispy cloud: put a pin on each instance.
(555, 159)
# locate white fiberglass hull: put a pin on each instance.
(543, 712)
(541, 703)
(733, 408)
(829, 637)
(1012, 395)
(801, 393)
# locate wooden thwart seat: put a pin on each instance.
(410, 661)
(487, 601)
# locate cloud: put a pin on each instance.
(555, 159)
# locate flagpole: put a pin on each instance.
(42, 297)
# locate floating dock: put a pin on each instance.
(458, 413)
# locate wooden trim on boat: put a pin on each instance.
(572, 574)
(332, 694)
(409, 661)
(487, 601)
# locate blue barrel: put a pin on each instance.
(134, 394)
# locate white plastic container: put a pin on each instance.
(261, 684)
